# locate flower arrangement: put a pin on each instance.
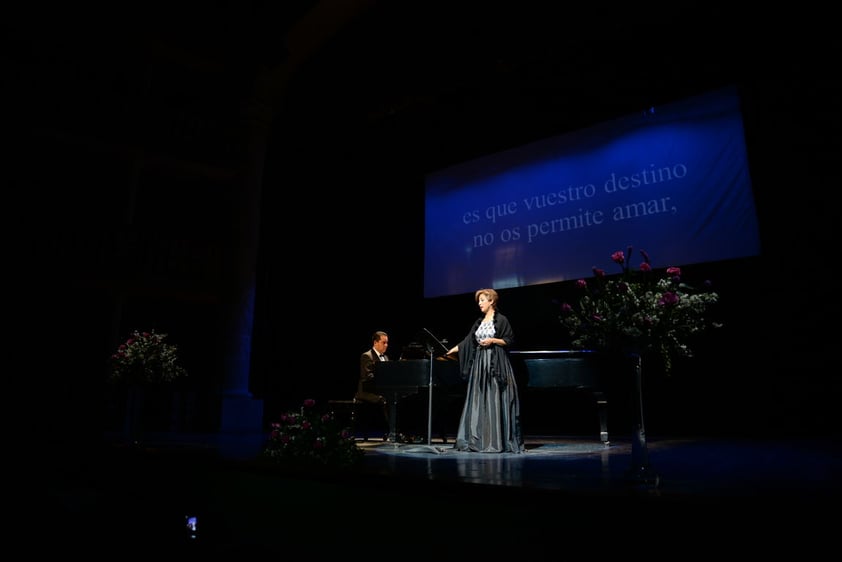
(311, 438)
(146, 357)
(639, 311)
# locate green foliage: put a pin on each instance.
(146, 357)
(639, 311)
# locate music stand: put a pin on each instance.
(433, 344)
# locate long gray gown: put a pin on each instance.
(490, 421)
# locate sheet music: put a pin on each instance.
(442, 349)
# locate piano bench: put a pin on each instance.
(345, 411)
(362, 418)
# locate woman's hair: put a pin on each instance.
(490, 294)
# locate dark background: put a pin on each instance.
(140, 198)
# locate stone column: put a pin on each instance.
(240, 411)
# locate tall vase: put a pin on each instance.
(640, 472)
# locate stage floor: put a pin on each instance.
(763, 495)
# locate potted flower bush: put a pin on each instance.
(636, 312)
(309, 438)
(141, 367)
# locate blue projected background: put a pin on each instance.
(673, 181)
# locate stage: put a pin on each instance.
(419, 502)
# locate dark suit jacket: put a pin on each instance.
(366, 387)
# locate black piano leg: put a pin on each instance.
(393, 419)
(602, 411)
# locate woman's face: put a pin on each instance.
(484, 303)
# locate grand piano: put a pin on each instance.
(565, 369)
(578, 370)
